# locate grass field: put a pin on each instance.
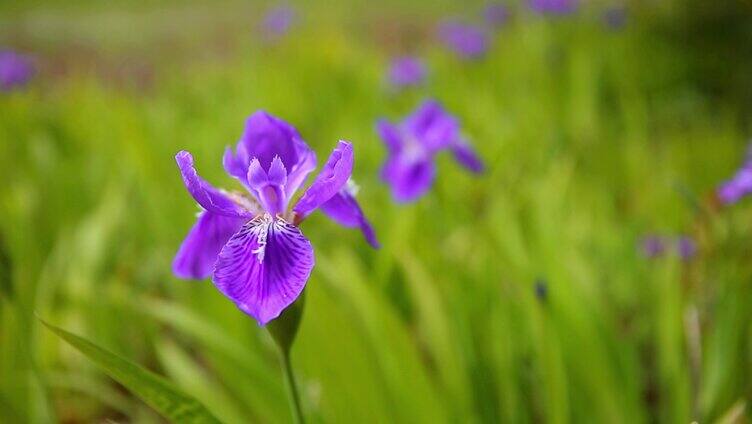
(593, 138)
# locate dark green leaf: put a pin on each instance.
(157, 392)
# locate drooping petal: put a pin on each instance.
(329, 182)
(344, 209)
(408, 179)
(207, 196)
(466, 156)
(198, 253)
(729, 193)
(739, 186)
(264, 267)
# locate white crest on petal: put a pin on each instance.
(351, 188)
(261, 230)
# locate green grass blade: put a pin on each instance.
(151, 388)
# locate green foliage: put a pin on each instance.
(161, 395)
(592, 138)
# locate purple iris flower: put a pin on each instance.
(250, 242)
(278, 21)
(541, 289)
(413, 145)
(407, 71)
(496, 14)
(553, 7)
(653, 246)
(15, 70)
(467, 41)
(686, 247)
(739, 185)
(615, 17)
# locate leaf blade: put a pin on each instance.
(154, 390)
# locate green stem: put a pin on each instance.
(292, 387)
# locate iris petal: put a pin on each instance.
(466, 156)
(264, 267)
(207, 196)
(266, 136)
(408, 179)
(268, 187)
(432, 126)
(198, 253)
(390, 134)
(298, 173)
(329, 182)
(344, 209)
(277, 172)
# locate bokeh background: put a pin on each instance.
(525, 294)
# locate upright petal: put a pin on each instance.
(207, 196)
(264, 138)
(277, 172)
(390, 134)
(408, 179)
(423, 118)
(267, 187)
(432, 126)
(264, 267)
(466, 156)
(236, 163)
(344, 209)
(198, 253)
(256, 177)
(267, 136)
(297, 174)
(329, 182)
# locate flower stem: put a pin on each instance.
(292, 387)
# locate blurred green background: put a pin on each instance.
(593, 136)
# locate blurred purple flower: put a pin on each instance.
(553, 7)
(541, 289)
(250, 242)
(467, 41)
(278, 21)
(413, 145)
(15, 70)
(615, 17)
(496, 14)
(686, 247)
(739, 185)
(653, 246)
(406, 71)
